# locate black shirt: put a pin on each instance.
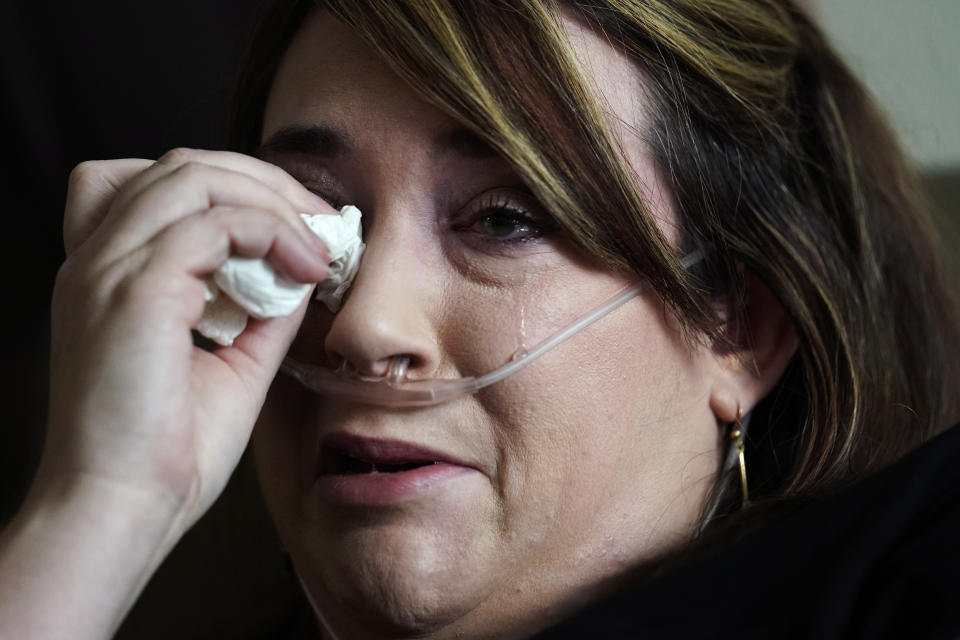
(880, 559)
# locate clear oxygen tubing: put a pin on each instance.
(394, 390)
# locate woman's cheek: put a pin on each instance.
(278, 448)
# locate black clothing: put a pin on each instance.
(880, 559)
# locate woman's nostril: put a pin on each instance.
(397, 369)
(393, 369)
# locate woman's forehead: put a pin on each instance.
(615, 78)
(326, 59)
(328, 73)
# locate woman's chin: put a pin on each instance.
(399, 579)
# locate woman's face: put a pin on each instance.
(551, 482)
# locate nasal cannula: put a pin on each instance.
(394, 390)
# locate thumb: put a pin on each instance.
(256, 354)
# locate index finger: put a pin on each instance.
(269, 174)
(278, 181)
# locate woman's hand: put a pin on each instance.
(133, 401)
(144, 427)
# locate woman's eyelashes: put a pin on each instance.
(497, 220)
(504, 218)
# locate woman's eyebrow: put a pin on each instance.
(322, 141)
(325, 141)
(465, 143)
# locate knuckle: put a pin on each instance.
(76, 282)
(192, 170)
(221, 220)
(76, 273)
(220, 215)
(81, 172)
(85, 174)
(178, 156)
(66, 275)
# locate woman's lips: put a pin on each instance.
(370, 472)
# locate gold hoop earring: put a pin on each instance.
(736, 436)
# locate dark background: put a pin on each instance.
(97, 80)
(109, 79)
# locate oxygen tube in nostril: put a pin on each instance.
(394, 390)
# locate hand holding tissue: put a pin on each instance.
(244, 287)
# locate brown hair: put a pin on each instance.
(778, 163)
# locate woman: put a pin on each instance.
(517, 165)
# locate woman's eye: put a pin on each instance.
(506, 224)
(506, 219)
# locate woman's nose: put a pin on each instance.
(386, 313)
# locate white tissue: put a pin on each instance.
(244, 287)
(343, 237)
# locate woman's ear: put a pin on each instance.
(764, 340)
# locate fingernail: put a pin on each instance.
(318, 258)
